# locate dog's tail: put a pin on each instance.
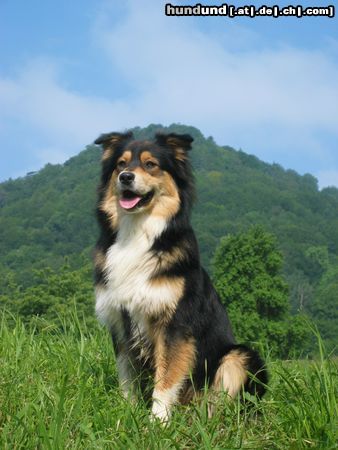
(241, 367)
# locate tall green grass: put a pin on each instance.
(58, 390)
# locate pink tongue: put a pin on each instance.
(128, 203)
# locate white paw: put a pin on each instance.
(159, 412)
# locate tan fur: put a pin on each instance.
(107, 153)
(159, 357)
(165, 260)
(108, 147)
(109, 202)
(126, 156)
(147, 156)
(231, 374)
(229, 378)
(180, 154)
(148, 179)
(175, 284)
(174, 363)
(168, 202)
(99, 259)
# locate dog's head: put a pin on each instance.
(144, 176)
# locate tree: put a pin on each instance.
(53, 297)
(247, 277)
(324, 308)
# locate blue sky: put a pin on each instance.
(72, 70)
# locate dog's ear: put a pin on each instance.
(179, 143)
(110, 141)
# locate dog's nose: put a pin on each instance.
(126, 177)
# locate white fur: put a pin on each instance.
(129, 267)
(105, 311)
(163, 400)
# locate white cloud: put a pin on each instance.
(65, 120)
(275, 103)
(193, 76)
(38, 97)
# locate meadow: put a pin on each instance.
(58, 390)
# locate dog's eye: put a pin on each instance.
(121, 165)
(150, 165)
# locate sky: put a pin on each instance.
(70, 71)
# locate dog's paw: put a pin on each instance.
(160, 413)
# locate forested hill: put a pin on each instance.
(49, 215)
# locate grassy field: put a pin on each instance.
(58, 390)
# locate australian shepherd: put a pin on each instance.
(165, 317)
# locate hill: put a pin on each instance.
(49, 216)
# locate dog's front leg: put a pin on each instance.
(127, 376)
(173, 363)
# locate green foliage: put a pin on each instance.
(318, 261)
(324, 307)
(247, 277)
(50, 215)
(53, 296)
(59, 390)
(247, 271)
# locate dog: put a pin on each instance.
(165, 317)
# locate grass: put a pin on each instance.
(58, 390)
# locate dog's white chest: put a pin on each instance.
(129, 267)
